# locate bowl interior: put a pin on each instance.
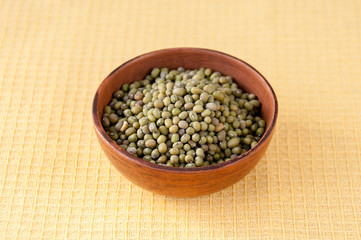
(190, 58)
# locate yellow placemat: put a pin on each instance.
(55, 182)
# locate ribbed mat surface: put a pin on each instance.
(56, 183)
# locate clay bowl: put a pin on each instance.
(185, 182)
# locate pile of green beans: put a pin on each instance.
(184, 118)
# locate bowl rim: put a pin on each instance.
(105, 138)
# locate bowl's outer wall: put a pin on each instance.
(185, 183)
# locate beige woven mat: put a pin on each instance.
(56, 183)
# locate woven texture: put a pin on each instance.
(55, 181)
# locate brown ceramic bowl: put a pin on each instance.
(185, 182)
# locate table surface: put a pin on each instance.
(55, 181)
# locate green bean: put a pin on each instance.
(184, 118)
